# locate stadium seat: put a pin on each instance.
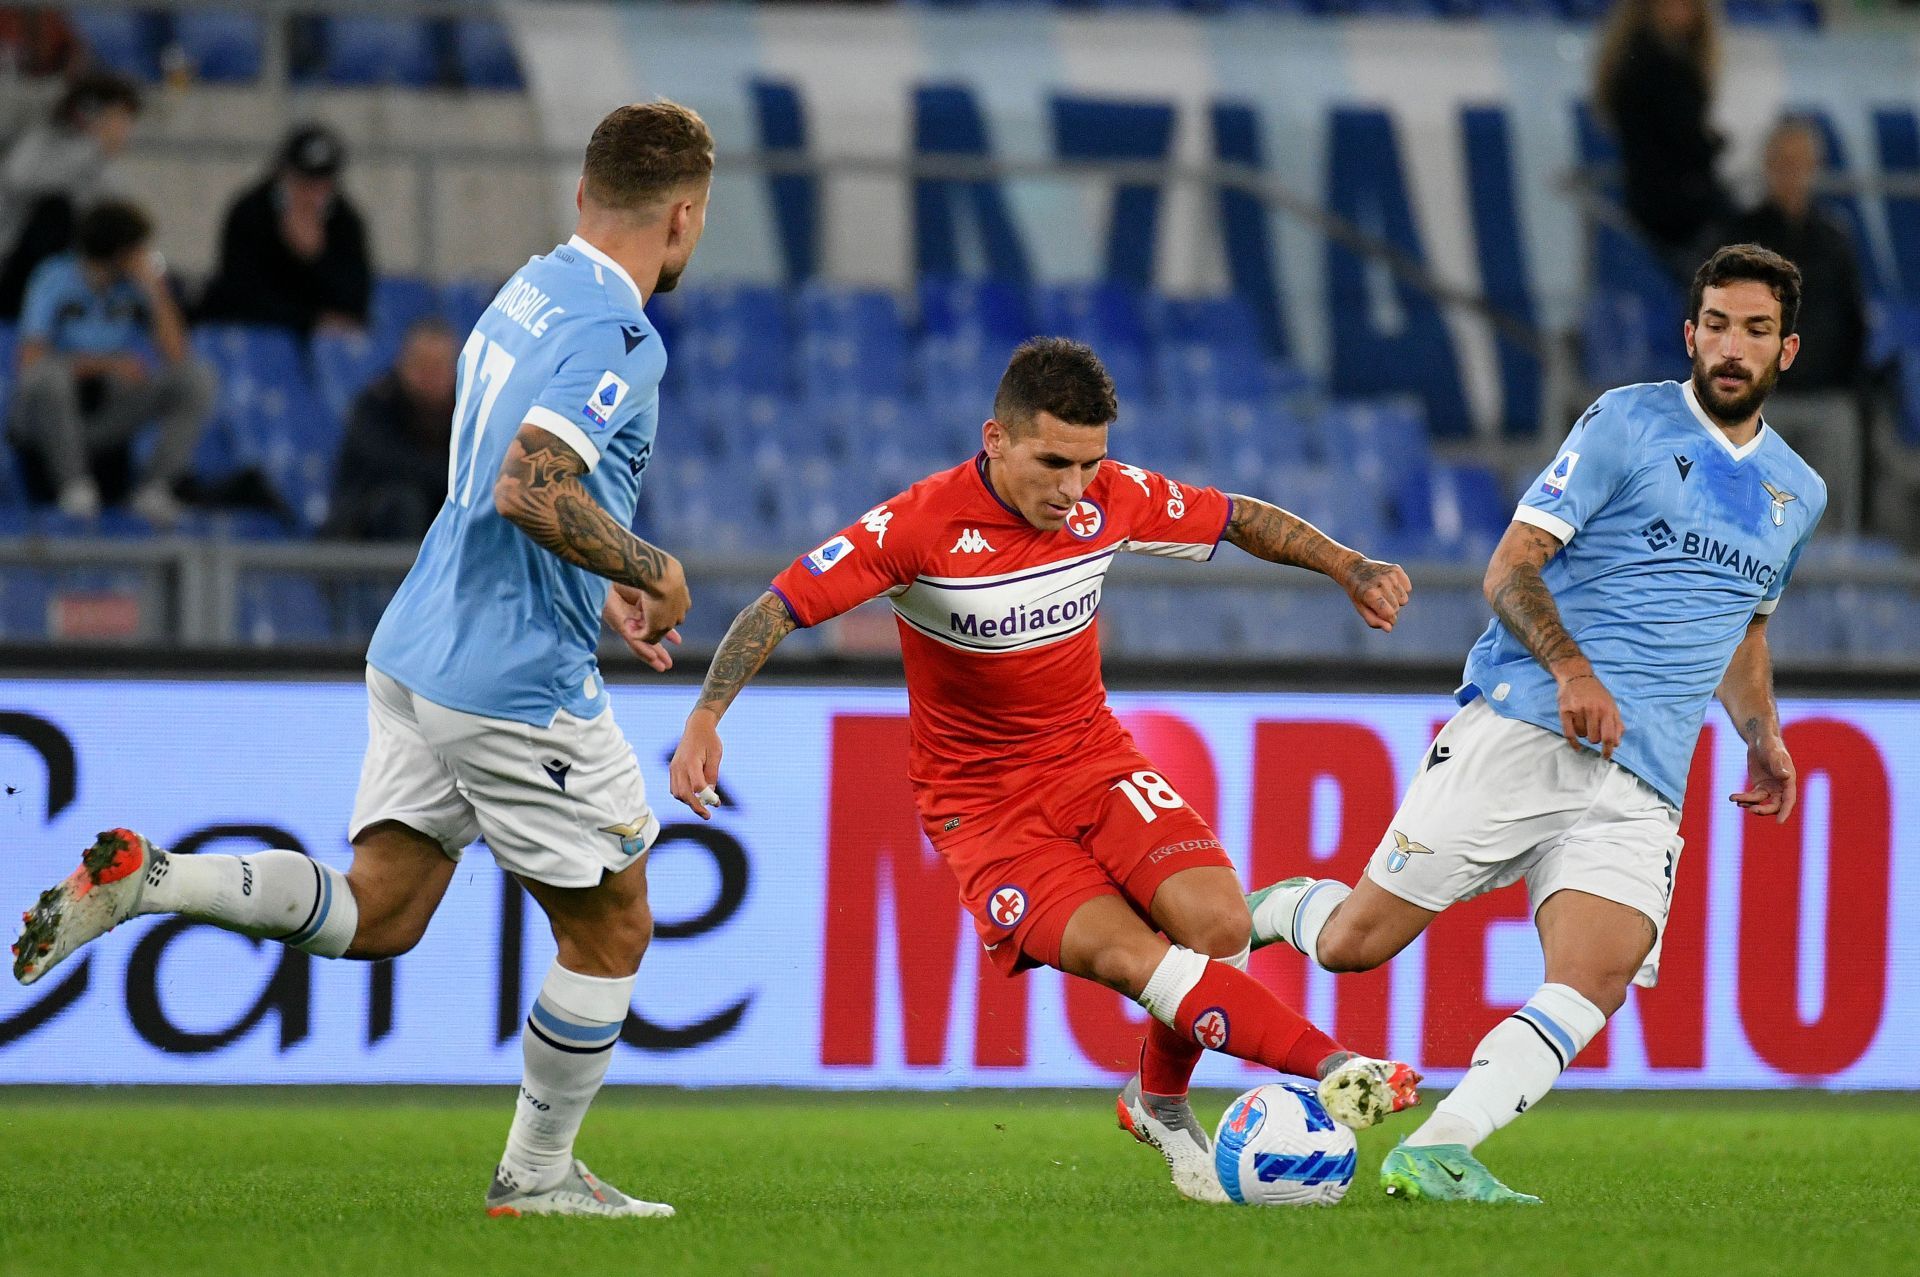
(463, 301)
(221, 47)
(398, 302)
(853, 345)
(1471, 507)
(1108, 317)
(119, 40)
(363, 52)
(344, 364)
(484, 50)
(269, 418)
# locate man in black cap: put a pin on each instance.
(293, 252)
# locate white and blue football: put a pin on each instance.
(1276, 1146)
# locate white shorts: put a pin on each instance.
(1498, 800)
(561, 804)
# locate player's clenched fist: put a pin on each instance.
(1378, 590)
(666, 600)
(695, 769)
(1587, 712)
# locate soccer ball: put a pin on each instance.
(1276, 1146)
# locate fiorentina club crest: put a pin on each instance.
(1210, 1029)
(1006, 906)
(1086, 519)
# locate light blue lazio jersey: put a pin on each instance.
(487, 621)
(1673, 539)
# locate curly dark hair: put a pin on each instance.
(643, 152)
(1056, 375)
(1737, 262)
(110, 228)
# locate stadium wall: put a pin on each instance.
(1453, 142)
(809, 937)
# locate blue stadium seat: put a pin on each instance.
(1471, 507)
(344, 364)
(853, 345)
(484, 50)
(363, 52)
(222, 47)
(1109, 317)
(398, 302)
(463, 301)
(268, 418)
(119, 40)
(968, 327)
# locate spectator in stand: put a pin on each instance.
(86, 385)
(1818, 408)
(391, 478)
(36, 42)
(54, 170)
(293, 252)
(1654, 85)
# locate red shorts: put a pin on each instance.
(1073, 831)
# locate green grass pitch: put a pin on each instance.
(346, 1182)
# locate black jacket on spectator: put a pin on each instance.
(391, 477)
(261, 281)
(1833, 304)
(1667, 145)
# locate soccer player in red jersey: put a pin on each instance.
(1070, 850)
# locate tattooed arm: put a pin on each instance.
(1746, 689)
(1378, 590)
(539, 491)
(749, 641)
(1523, 603)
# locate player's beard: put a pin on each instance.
(669, 278)
(1742, 403)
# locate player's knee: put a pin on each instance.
(1603, 984)
(1349, 947)
(1122, 967)
(1220, 933)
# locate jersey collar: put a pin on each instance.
(1738, 453)
(980, 469)
(600, 259)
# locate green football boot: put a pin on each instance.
(1444, 1173)
(1277, 926)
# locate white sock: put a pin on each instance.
(567, 1044)
(278, 895)
(1514, 1066)
(1171, 982)
(1297, 914)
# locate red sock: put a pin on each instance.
(1230, 1011)
(1167, 1060)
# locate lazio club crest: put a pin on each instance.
(1780, 498)
(1404, 849)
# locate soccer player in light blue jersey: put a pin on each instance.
(1633, 586)
(487, 712)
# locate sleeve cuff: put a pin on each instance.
(566, 432)
(787, 603)
(1547, 522)
(1214, 548)
(1765, 607)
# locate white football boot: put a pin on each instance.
(89, 902)
(580, 1193)
(1168, 1125)
(1360, 1091)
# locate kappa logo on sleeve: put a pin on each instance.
(1555, 484)
(606, 399)
(826, 556)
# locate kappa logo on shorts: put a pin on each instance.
(1404, 849)
(1006, 906)
(632, 836)
(1210, 1029)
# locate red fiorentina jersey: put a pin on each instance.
(996, 617)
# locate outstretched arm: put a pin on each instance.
(1746, 689)
(749, 641)
(539, 491)
(1378, 590)
(1523, 603)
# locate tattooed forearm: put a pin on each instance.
(1746, 689)
(1268, 532)
(749, 641)
(539, 491)
(1523, 603)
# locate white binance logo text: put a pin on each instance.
(876, 521)
(970, 542)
